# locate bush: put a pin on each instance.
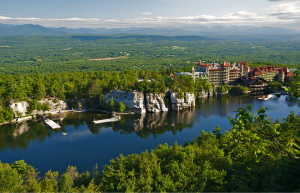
(45, 106)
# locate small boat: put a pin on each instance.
(64, 133)
(277, 93)
(270, 96)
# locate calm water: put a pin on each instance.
(87, 144)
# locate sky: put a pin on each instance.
(151, 13)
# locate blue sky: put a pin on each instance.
(151, 13)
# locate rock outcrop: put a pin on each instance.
(133, 100)
(19, 108)
(182, 103)
(205, 94)
(155, 103)
(212, 91)
(55, 105)
(202, 94)
(220, 92)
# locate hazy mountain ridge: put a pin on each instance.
(246, 33)
(28, 29)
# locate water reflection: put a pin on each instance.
(155, 124)
(221, 106)
(207, 114)
(291, 102)
(19, 136)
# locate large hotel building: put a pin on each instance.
(231, 74)
(223, 73)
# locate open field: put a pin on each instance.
(100, 59)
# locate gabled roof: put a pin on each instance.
(225, 64)
(201, 63)
(280, 70)
(171, 75)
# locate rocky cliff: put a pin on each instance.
(182, 103)
(134, 100)
(155, 103)
(55, 105)
(21, 108)
(203, 94)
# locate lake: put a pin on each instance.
(87, 144)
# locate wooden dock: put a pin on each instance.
(52, 124)
(114, 119)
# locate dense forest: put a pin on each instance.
(52, 54)
(254, 155)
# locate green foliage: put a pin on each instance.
(255, 138)
(275, 86)
(111, 104)
(294, 85)
(91, 87)
(243, 88)
(10, 179)
(45, 106)
(121, 107)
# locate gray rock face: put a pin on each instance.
(134, 100)
(182, 103)
(22, 106)
(55, 105)
(211, 92)
(19, 108)
(155, 103)
(202, 94)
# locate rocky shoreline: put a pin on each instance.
(136, 103)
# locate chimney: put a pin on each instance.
(241, 71)
(247, 75)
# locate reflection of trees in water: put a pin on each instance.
(82, 120)
(292, 101)
(221, 106)
(155, 124)
(20, 135)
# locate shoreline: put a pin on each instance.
(30, 117)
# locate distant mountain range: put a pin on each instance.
(215, 31)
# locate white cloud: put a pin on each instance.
(281, 14)
(286, 11)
